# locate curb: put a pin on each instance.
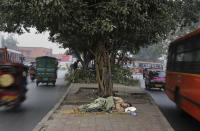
(48, 115)
(166, 123)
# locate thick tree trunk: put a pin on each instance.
(103, 71)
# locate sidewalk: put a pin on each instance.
(149, 117)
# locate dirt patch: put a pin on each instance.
(86, 95)
(82, 96)
(90, 92)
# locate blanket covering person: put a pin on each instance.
(105, 104)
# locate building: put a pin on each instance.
(30, 53)
(58, 56)
(64, 60)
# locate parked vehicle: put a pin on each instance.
(13, 78)
(46, 70)
(155, 79)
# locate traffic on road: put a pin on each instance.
(39, 101)
(178, 119)
(147, 47)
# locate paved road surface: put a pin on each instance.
(179, 121)
(39, 101)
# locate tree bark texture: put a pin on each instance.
(103, 71)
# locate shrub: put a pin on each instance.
(119, 75)
(81, 76)
(123, 76)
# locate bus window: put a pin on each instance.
(10, 56)
(2, 56)
(171, 58)
(179, 57)
(180, 48)
(7, 57)
(189, 57)
(196, 56)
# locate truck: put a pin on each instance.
(46, 70)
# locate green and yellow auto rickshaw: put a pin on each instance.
(46, 70)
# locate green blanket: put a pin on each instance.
(100, 104)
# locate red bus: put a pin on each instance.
(145, 64)
(141, 65)
(183, 73)
(10, 56)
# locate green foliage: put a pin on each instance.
(151, 53)
(123, 76)
(81, 76)
(190, 12)
(120, 76)
(83, 24)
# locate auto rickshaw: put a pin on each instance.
(46, 70)
(13, 81)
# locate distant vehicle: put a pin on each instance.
(32, 71)
(10, 56)
(183, 73)
(155, 79)
(141, 65)
(46, 70)
(13, 78)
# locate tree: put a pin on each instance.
(101, 27)
(10, 42)
(84, 57)
(188, 21)
(190, 12)
(150, 54)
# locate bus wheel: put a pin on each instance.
(177, 97)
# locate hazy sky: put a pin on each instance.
(38, 40)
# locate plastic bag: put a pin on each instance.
(130, 109)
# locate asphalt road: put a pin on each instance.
(39, 101)
(179, 120)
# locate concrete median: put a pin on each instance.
(148, 118)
